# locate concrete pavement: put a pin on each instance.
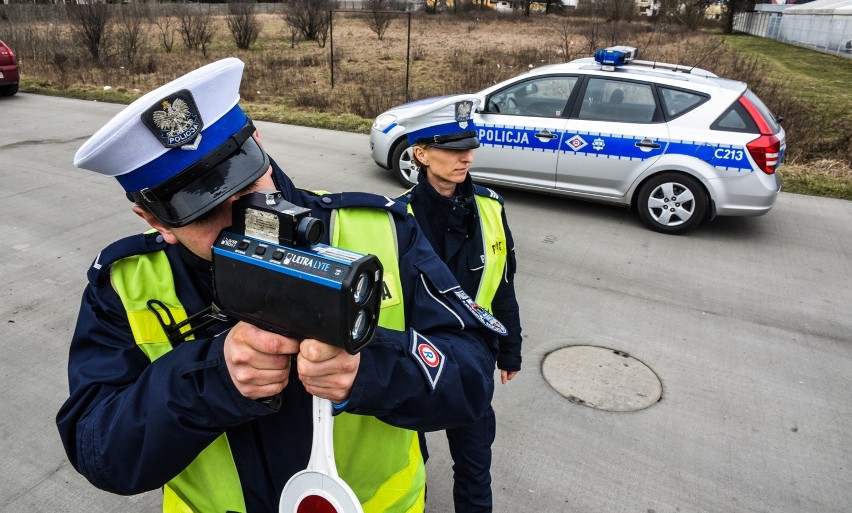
(746, 321)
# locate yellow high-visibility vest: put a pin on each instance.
(384, 468)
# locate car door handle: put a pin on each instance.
(647, 143)
(544, 134)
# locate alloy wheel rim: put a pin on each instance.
(671, 204)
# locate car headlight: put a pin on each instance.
(384, 121)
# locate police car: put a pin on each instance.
(677, 143)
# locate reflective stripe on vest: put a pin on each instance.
(365, 447)
(493, 247)
(211, 482)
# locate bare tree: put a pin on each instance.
(688, 13)
(735, 6)
(164, 23)
(431, 6)
(553, 6)
(617, 10)
(592, 33)
(91, 24)
(378, 17)
(196, 27)
(243, 23)
(309, 17)
(565, 30)
(133, 31)
(295, 35)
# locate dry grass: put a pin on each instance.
(448, 54)
(824, 177)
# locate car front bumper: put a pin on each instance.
(381, 144)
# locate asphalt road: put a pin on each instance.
(746, 321)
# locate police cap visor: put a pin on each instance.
(209, 189)
(458, 141)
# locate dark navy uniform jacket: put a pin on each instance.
(130, 425)
(452, 227)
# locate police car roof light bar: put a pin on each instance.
(613, 56)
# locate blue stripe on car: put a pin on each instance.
(722, 157)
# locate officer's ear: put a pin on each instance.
(155, 223)
(420, 154)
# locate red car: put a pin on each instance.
(8, 71)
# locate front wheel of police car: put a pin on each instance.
(404, 167)
(672, 203)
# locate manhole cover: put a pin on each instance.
(602, 378)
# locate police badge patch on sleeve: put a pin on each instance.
(431, 360)
(480, 313)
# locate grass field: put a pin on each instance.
(818, 80)
(821, 83)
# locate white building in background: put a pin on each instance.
(647, 7)
(506, 5)
(824, 25)
(820, 24)
(643, 7)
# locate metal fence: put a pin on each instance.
(278, 7)
(822, 32)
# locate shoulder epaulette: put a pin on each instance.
(486, 192)
(361, 199)
(139, 244)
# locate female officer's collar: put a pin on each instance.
(463, 191)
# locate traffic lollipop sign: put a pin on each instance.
(318, 489)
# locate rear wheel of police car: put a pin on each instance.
(672, 203)
(403, 166)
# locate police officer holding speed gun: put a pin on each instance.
(466, 225)
(200, 343)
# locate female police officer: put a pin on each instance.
(218, 413)
(466, 225)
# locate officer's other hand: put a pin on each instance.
(258, 361)
(506, 376)
(327, 371)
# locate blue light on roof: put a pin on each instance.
(615, 55)
(610, 57)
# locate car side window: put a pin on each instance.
(540, 97)
(677, 102)
(614, 100)
(735, 119)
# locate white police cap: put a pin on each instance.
(446, 123)
(183, 148)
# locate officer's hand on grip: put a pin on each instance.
(327, 371)
(258, 361)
